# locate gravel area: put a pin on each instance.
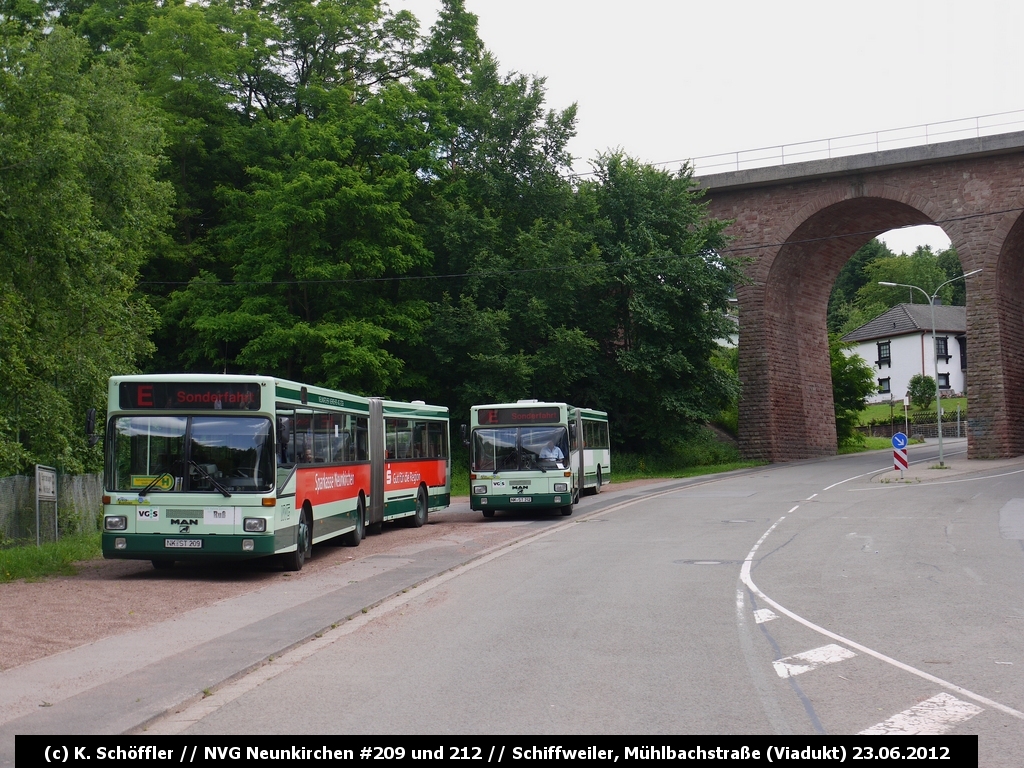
(108, 597)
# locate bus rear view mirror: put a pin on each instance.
(464, 432)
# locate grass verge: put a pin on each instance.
(54, 558)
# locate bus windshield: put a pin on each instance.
(520, 448)
(152, 453)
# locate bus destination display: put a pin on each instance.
(191, 395)
(506, 416)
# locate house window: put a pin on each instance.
(943, 381)
(963, 352)
(884, 355)
(942, 348)
(883, 386)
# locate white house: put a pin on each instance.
(898, 343)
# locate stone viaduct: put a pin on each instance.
(799, 224)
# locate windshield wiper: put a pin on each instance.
(154, 481)
(209, 477)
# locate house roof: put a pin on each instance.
(911, 318)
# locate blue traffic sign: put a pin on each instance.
(899, 441)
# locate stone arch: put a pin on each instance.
(787, 361)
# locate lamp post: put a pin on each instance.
(935, 347)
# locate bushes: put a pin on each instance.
(703, 449)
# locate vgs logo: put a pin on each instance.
(148, 514)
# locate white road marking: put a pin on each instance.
(791, 666)
(933, 717)
(761, 615)
(749, 582)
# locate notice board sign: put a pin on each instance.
(46, 483)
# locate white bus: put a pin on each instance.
(535, 454)
(206, 467)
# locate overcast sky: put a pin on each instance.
(667, 80)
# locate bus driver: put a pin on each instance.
(551, 452)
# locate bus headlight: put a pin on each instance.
(254, 524)
(479, 490)
(561, 487)
(115, 523)
(248, 545)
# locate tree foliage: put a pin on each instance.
(82, 211)
(312, 189)
(853, 380)
(857, 297)
(921, 390)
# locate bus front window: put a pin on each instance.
(148, 450)
(519, 448)
(235, 451)
(150, 454)
(494, 450)
(545, 447)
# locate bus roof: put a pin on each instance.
(285, 390)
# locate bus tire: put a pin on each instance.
(352, 538)
(488, 512)
(292, 561)
(163, 565)
(420, 515)
(597, 488)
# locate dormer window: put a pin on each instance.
(884, 354)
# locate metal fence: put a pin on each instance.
(859, 143)
(954, 424)
(79, 503)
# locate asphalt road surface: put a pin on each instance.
(818, 597)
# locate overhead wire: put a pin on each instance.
(735, 252)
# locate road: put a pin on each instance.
(813, 597)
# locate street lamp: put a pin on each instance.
(935, 347)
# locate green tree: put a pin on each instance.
(497, 212)
(852, 277)
(662, 306)
(853, 380)
(949, 262)
(921, 390)
(920, 268)
(82, 212)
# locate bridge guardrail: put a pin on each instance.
(858, 143)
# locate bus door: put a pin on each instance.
(576, 442)
(375, 513)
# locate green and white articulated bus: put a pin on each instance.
(219, 467)
(534, 454)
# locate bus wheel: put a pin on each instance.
(352, 538)
(163, 565)
(597, 488)
(488, 513)
(293, 561)
(420, 516)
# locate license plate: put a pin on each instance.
(183, 543)
(520, 499)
